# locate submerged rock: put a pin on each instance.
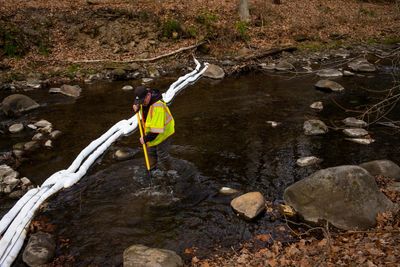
(125, 153)
(68, 90)
(39, 250)
(345, 196)
(228, 191)
(331, 85)
(283, 65)
(16, 104)
(314, 127)
(383, 167)
(142, 256)
(127, 88)
(249, 205)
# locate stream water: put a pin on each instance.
(222, 138)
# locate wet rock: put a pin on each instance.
(314, 127)
(345, 196)
(16, 194)
(147, 80)
(353, 122)
(283, 65)
(317, 106)
(48, 144)
(329, 73)
(249, 205)
(383, 167)
(25, 181)
(308, 161)
(361, 141)
(42, 124)
(362, 65)
(47, 130)
(273, 123)
(68, 90)
(347, 73)
(214, 72)
(31, 146)
(16, 104)
(37, 137)
(118, 74)
(19, 146)
(270, 66)
(125, 153)
(8, 179)
(39, 250)
(18, 153)
(127, 88)
(331, 85)
(55, 134)
(16, 128)
(32, 126)
(153, 72)
(228, 191)
(355, 132)
(142, 256)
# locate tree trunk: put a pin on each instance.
(244, 13)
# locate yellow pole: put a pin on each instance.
(146, 157)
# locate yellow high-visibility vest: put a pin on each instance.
(159, 120)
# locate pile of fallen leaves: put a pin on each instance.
(323, 246)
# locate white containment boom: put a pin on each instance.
(14, 224)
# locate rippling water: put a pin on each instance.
(222, 138)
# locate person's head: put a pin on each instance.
(142, 96)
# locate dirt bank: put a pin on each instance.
(58, 38)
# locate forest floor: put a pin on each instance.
(63, 37)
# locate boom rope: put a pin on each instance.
(14, 224)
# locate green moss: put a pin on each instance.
(242, 29)
(170, 28)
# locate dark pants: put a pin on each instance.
(159, 155)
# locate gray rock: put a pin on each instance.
(283, 65)
(127, 88)
(147, 80)
(32, 126)
(16, 104)
(347, 73)
(317, 106)
(153, 72)
(327, 73)
(361, 141)
(270, 66)
(382, 167)
(308, 161)
(362, 65)
(37, 137)
(249, 205)
(16, 128)
(39, 250)
(355, 132)
(31, 146)
(353, 122)
(68, 90)
(8, 179)
(228, 191)
(48, 144)
(25, 181)
(214, 72)
(331, 85)
(345, 196)
(142, 256)
(42, 124)
(125, 153)
(314, 127)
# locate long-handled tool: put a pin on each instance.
(141, 129)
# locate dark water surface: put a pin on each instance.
(222, 139)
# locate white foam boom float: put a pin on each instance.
(14, 224)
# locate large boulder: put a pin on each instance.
(16, 104)
(39, 250)
(382, 167)
(142, 256)
(249, 205)
(345, 196)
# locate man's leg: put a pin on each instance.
(163, 157)
(152, 153)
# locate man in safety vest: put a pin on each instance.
(158, 123)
